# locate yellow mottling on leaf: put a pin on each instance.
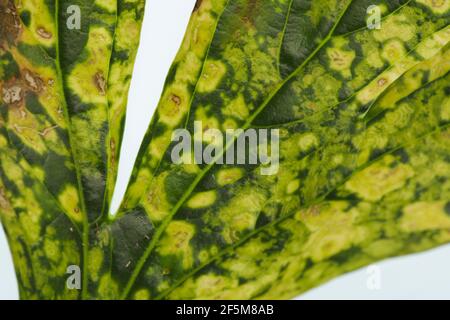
(293, 186)
(213, 73)
(379, 179)
(208, 122)
(237, 108)
(109, 5)
(42, 23)
(229, 176)
(241, 213)
(88, 78)
(95, 263)
(332, 230)
(307, 141)
(176, 242)
(437, 6)
(423, 216)
(70, 202)
(159, 145)
(174, 105)
(393, 50)
(155, 201)
(202, 200)
(108, 288)
(209, 285)
(445, 110)
(142, 294)
(341, 57)
(395, 26)
(52, 250)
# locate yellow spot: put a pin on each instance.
(83, 80)
(393, 50)
(341, 57)
(423, 216)
(127, 31)
(176, 242)
(445, 110)
(39, 173)
(202, 200)
(293, 186)
(142, 294)
(383, 248)
(332, 230)
(209, 285)
(174, 105)
(432, 45)
(95, 263)
(41, 17)
(70, 202)
(307, 142)
(155, 202)
(237, 108)
(108, 5)
(241, 213)
(396, 26)
(207, 122)
(212, 75)
(52, 250)
(108, 288)
(379, 179)
(229, 124)
(159, 145)
(229, 176)
(437, 6)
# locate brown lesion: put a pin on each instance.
(10, 26)
(44, 33)
(176, 99)
(33, 81)
(100, 82)
(113, 157)
(13, 91)
(4, 202)
(249, 12)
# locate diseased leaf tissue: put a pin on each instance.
(364, 140)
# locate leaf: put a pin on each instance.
(58, 139)
(354, 107)
(362, 118)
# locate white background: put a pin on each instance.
(420, 276)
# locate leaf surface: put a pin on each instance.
(361, 116)
(354, 107)
(59, 131)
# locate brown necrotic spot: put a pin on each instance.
(4, 203)
(14, 91)
(112, 146)
(44, 33)
(12, 94)
(47, 130)
(32, 80)
(100, 82)
(176, 99)
(249, 12)
(10, 26)
(382, 82)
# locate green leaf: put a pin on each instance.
(353, 106)
(362, 118)
(60, 130)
